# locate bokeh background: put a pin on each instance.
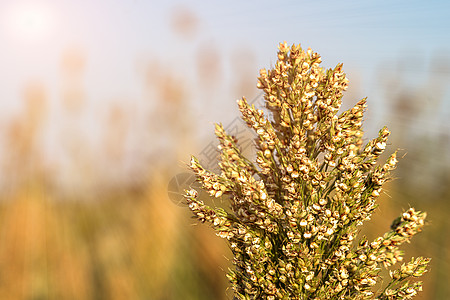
(102, 103)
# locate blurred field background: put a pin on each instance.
(102, 103)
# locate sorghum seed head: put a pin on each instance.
(293, 217)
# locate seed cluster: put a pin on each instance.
(294, 212)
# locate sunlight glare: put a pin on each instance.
(29, 22)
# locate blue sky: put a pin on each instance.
(118, 37)
(114, 34)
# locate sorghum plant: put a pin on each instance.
(295, 212)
